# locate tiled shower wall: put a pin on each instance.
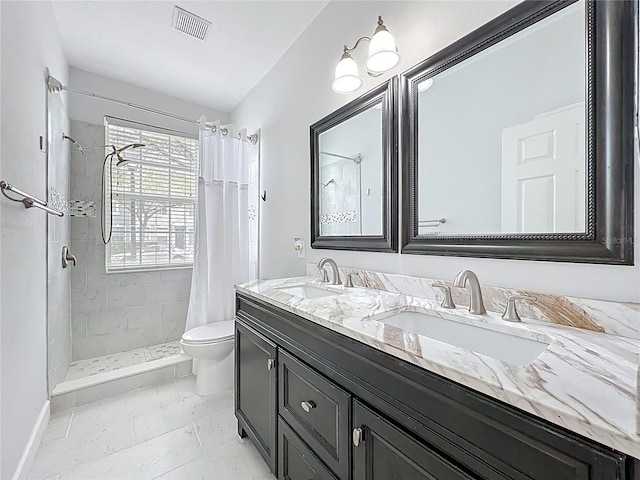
(120, 311)
(58, 164)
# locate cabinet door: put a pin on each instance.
(256, 387)
(296, 460)
(382, 451)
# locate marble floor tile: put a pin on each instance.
(217, 430)
(178, 434)
(235, 461)
(186, 386)
(58, 427)
(173, 415)
(67, 453)
(146, 460)
(123, 407)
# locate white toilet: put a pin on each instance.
(211, 347)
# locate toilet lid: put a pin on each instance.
(210, 333)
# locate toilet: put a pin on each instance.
(211, 347)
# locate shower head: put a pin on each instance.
(131, 145)
(118, 151)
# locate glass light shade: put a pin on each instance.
(425, 85)
(383, 54)
(346, 78)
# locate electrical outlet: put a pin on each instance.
(298, 246)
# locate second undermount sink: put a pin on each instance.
(308, 291)
(502, 346)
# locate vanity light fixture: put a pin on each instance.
(383, 56)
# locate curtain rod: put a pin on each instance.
(55, 86)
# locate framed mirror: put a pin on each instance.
(518, 138)
(354, 174)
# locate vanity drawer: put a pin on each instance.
(296, 461)
(317, 410)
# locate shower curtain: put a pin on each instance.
(226, 236)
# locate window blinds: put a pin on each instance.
(154, 198)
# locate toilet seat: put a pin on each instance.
(211, 333)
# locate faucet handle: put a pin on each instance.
(349, 282)
(447, 301)
(325, 275)
(511, 312)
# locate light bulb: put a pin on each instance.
(383, 53)
(346, 78)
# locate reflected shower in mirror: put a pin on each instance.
(501, 136)
(351, 176)
(354, 174)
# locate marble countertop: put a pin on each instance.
(584, 381)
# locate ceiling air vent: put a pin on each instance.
(190, 24)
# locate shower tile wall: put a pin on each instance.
(58, 328)
(116, 312)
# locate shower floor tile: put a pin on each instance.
(116, 361)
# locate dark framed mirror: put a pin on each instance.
(354, 174)
(518, 139)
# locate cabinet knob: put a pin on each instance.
(357, 436)
(307, 405)
(271, 363)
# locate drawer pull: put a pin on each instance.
(357, 437)
(307, 406)
(271, 363)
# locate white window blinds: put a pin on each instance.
(154, 198)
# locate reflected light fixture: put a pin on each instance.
(383, 56)
(425, 85)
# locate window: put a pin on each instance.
(154, 198)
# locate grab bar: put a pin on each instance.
(28, 201)
(430, 223)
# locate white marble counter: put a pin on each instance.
(584, 381)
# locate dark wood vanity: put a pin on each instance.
(317, 404)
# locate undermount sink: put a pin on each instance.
(502, 346)
(307, 291)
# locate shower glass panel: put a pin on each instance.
(58, 235)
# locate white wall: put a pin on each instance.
(297, 92)
(30, 43)
(92, 110)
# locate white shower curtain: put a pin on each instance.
(223, 230)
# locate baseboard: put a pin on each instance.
(30, 450)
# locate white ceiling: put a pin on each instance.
(133, 41)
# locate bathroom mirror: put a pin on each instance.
(518, 138)
(354, 174)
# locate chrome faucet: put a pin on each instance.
(476, 305)
(334, 268)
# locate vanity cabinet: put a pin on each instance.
(345, 410)
(256, 390)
